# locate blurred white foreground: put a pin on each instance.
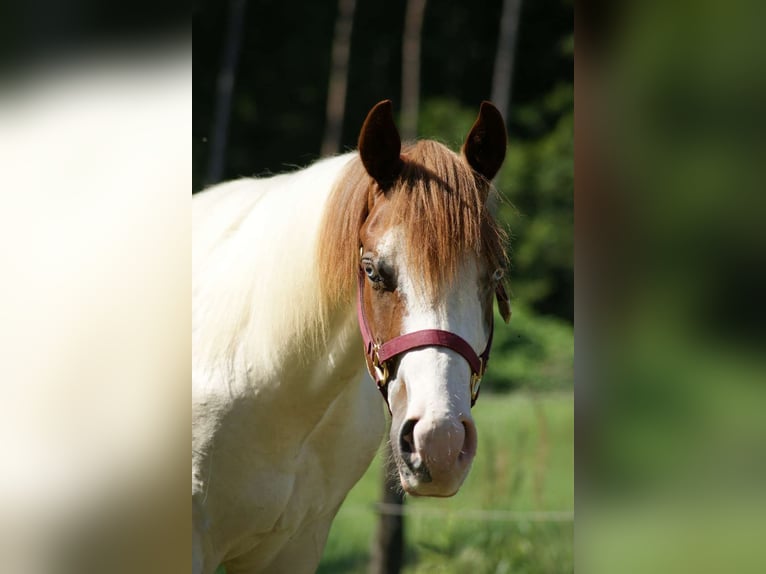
(95, 177)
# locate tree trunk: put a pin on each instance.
(413, 27)
(225, 90)
(502, 78)
(336, 92)
(388, 545)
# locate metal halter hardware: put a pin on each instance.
(380, 353)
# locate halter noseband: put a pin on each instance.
(380, 353)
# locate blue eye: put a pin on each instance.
(371, 271)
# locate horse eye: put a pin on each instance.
(498, 274)
(372, 273)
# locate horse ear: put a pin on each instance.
(484, 148)
(380, 144)
(503, 303)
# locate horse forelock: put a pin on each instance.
(440, 203)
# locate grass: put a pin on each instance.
(525, 463)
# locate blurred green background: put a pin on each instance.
(671, 394)
(278, 121)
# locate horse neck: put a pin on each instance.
(259, 315)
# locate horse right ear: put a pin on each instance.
(380, 144)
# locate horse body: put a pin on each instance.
(282, 426)
(283, 423)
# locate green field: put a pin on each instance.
(499, 521)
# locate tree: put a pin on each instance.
(338, 82)
(413, 28)
(225, 90)
(502, 76)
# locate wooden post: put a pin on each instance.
(388, 544)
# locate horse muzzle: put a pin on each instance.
(434, 453)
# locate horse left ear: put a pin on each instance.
(484, 148)
(380, 144)
(503, 303)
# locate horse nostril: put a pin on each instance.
(407, 437)
(412, 461)
(469, 441)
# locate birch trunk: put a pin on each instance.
(502, 77)
(413, 27)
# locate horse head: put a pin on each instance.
(429, 263)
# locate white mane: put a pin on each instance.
(254, 273)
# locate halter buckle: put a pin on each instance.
(381, 369)
(476, 380)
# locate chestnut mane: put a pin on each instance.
(442, 205)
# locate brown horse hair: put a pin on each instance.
(442, 205)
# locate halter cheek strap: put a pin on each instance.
(380, 353)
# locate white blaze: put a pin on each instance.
(437, 378)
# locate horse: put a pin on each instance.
(387, 257)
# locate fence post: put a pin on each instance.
(388, 544)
